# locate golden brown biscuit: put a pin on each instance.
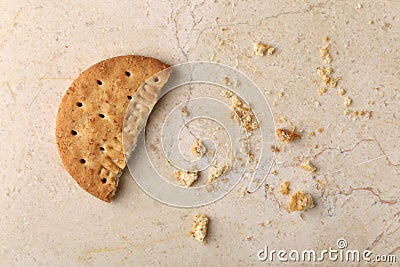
(91, 116)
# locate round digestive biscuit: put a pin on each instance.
(90, 119)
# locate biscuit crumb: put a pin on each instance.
(249, 238)
(286, 135)
(320, 129)
(244, 113)
(284, 189)
(274, 172)
(359, 6)
(274, 149)
(322, 90)
(226, 81)
(224, 28)
(199, 231)
(198, 149)
(311, 134)
(184, 112)
(308, 166)
(300, 201)
(228, 93)
(260, 49)
(341, 91)
(370, 22)
(347, 101)
(217, 171)
(325, 38)
(186, 178)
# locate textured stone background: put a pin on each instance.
(48, 220)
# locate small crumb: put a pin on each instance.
(220, 41)
(322, 90)
(371, 102)
(260, 49)
(274, 172)
(311, 134)
(376, 89)
(186, 178)
(308, 166)
(368, 115)
(199, 231)
(347, 101)
(184, 112)
(333, 82)
(267, 222)
(250, 157)
(274, 149)
(224, 28)
(198, 149)
(315, 146)
(280, 94)
(286, 135)
(346, 112)
(248, 238)
(300, 201)
(266, 187)
(228, 93)
(320, 130)
(370, 22)
(341, 91)
(359, 6)
(328, 58)
(226, 81)
(243, 191)
(323, 51)
(328, 70)
(261, 224)
(284, 189)
(325, 38)
(270, 51)
(325, 79)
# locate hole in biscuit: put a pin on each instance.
(74, 132)
(127, 73)
(156, 79)
(101, 115)
(129, 97)
(99, 82)
(79, 104)
(83, 161)
(102, 148)
(104, 180)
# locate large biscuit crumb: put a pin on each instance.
(186, 178)
(286, 135)
(217, 171)
(243, 112)
(300, 201)
(199, 231)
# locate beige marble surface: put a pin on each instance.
(47, 220)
